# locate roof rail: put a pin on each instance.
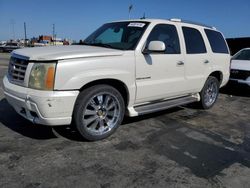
(191, 22)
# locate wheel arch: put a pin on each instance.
(117, 84)
(218, 75)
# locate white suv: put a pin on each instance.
(133, 66)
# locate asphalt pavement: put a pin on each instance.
(181, 147)
(4, 59)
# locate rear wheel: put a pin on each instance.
(209, 93)
(98, 112)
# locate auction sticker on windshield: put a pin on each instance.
(136, 24)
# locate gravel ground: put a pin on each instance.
(181, 147)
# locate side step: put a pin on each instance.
(166, 104)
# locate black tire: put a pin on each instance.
(210, 89)
(96, 105)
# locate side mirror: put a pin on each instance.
(155, 46)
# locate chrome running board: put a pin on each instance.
(165, 104)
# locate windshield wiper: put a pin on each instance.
(101, 45)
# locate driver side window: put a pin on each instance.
(167, 34)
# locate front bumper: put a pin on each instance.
(41, 107)
(247, 81)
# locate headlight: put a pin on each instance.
(42, 76)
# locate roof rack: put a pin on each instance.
(191, 22)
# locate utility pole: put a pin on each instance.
(129, 10)
(144, 16)
(25, 34)
(53, 35)
(55, 38)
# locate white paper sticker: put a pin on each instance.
(136, 24)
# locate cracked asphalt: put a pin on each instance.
(180, 147)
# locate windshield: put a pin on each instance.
(119, 35)
(242, 55)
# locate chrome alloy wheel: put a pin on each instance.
(101, 113)
(211, 93)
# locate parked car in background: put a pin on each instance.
(240, 67)
(10, 46)
(2, 44)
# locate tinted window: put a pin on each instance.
(117, 35)
(243, 55)
(167, 34)
(110, 36)
(216, 41)
(194, 41)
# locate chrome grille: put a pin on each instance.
(17, 69)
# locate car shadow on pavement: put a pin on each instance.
(12, 120)
(128, 120)
(236, 89)
(204, 153)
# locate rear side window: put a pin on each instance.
(194, 41)
(216, 41)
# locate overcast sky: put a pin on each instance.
(76, 19)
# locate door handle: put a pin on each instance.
(180, 63)
(206, 61)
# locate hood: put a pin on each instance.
(64, 52)
(240, 64)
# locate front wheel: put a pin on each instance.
(98, 112)
(209, 93)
